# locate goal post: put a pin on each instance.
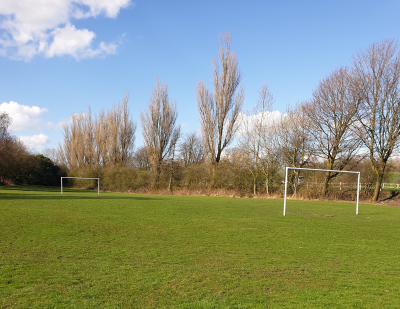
(319, 170)
(98, 183)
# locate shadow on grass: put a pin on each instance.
(53, 193)
(46, 189)
(6, 196)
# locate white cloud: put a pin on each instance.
(35, 141)
(77, 43)
(97, 7)
(32, 27)
(23, 117)
(247, 123)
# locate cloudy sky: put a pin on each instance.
(57, 57)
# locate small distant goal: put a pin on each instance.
(98, 183)
(320, 170)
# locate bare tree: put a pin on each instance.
(5, 121)
(95, 142)
(269, 161)
(219, 110)
(52, 154)
(141, 159)
(293, 141)
(268, 157)
(13, 158)
(74, 142)
(377, 77)
(191, 149)
(253, 138)
(174, 140)
(120, 134)
(331, 117)
(127, 130)
(13, 153)
(158, 127)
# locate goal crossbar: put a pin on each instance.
(320, 170)
(98, 183)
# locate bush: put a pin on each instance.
(40, 170)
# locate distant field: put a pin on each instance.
(80, 250)
(393, 178)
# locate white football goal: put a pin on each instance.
(98, 183)
(319, 170)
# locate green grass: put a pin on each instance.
(80, 250)
(392, 178)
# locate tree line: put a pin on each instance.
(17, 165)
(351, 122)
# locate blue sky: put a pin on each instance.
(57, 57)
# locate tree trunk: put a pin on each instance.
(326, 183)
(328, 177)
(295, 180)
(378, 185)
(171, 172)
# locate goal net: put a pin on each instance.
(319, 170)
(98, 183)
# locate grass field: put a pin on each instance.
(80, 250)
(393, 178)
